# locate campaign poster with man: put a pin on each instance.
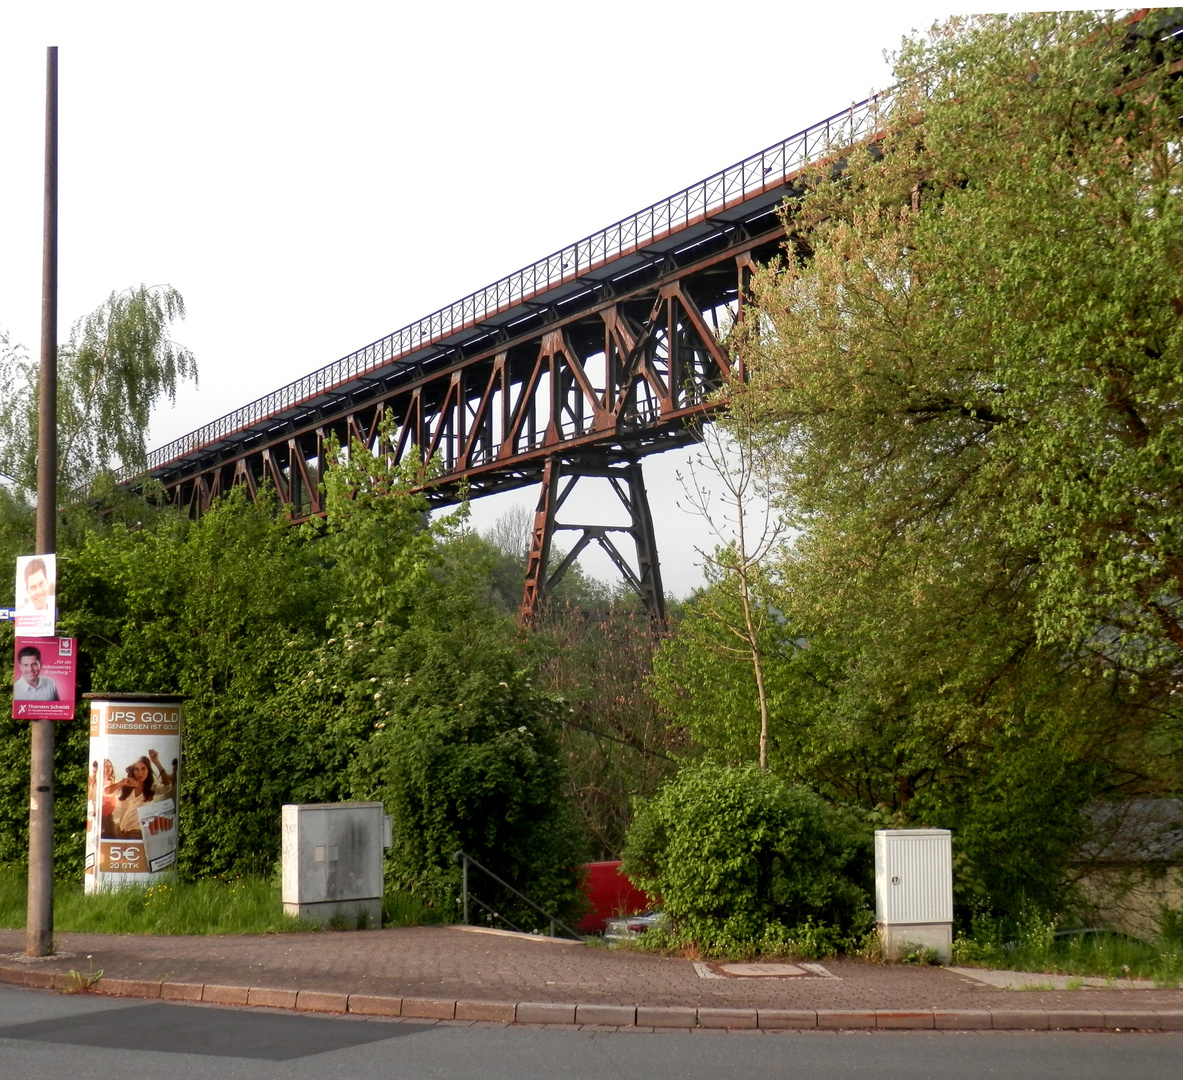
(44, 674)
(36, 596)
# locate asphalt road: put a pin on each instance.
(80, 1037)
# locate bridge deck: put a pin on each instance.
(574, 279)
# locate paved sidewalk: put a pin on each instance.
(456, 973)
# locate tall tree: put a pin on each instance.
(973, 349)
(971, 356)
(119, 361)
(750, 535)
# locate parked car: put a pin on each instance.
(630, 927)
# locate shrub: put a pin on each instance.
(741, 860)
(463, 757)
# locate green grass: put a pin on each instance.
(408, 909)
(243, 905)
(1032, 945)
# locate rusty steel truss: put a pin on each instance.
(575, 367)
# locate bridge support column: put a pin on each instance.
(559, 478)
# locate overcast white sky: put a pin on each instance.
(312, 177)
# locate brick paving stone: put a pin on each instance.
(430, 1008)
(270, 997)
(1067, 1019)
(451, 963)
(615, 1015)
(910, 1020)
(1018, 1019)
(1131, 1019)
(179, 991)
(375, 1005)
(224, 995)
(140, 988)
(545, 1012)
(845, 1018)
(487, 1011)
(321, 1001)
(671, 1016)
(785, 1018)
(727, 1018)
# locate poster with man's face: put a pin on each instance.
(36, 595)
(43, 679)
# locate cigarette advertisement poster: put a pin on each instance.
(131, 806)
(45, 670)
(36, 595)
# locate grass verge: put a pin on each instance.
(1034, 945)
(242, 905)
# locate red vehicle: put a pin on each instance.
(611, 894)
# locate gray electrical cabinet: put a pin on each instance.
(332, 862)
(914, 891)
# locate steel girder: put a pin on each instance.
(593, 390)
(559, 478)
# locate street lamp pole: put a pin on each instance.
(39, 924)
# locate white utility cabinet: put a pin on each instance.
(914, 890)
(332, 861)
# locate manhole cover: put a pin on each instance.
(749, 971)
(762, 971)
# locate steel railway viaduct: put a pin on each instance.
(576, 366)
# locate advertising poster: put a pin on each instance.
(131, 806)
(45, 670)
(36, 595)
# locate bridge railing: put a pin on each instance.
(766, 169)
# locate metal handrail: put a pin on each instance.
(463, 860)
(494, 913)
(767, 169)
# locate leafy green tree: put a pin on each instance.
(118, 363)
(463, 756)
(224, 610)
(378, 538)
(434, 707)
(973, 347)
(970, 357)
(706, 683)
(355, 659)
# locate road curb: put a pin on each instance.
(578, 1014)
